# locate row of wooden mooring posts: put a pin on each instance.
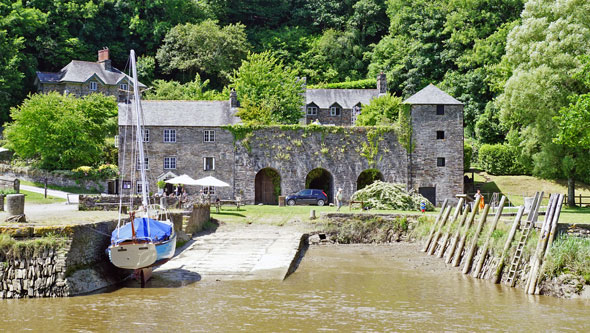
(452, 242)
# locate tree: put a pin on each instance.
(203, 48)
(173, 90)
(542, 54)
(269, 92)
(62, 131)
(383, 110)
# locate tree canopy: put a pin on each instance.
(382, 111)
(62, 131)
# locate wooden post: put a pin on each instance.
(455, 237)
(45, 187)
(448, 232)
(440, 226)
(580, 200)
(535, 263)
(461, 244)
(484, 250)
(551, 237)
(498, 273)
(429, 239)
(471, 251)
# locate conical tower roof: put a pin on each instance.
(432, 95)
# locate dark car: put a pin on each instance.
(307, 197)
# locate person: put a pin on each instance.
(339, 198)
(422, 206)
(479, 199)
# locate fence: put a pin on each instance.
(579, 200)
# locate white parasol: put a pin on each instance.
(183, 179)
(211, 181)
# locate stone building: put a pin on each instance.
(82, 78)
(339, 107)
(192, 137)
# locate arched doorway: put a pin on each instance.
(267, 187)
(321, 179)
(368, 177)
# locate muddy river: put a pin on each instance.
(336, 288)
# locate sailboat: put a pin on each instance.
(149, 239)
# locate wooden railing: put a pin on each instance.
(579, 200)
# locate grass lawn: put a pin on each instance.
(70, 189)
(280, 216)
(39, 199)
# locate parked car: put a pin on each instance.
(307, 197)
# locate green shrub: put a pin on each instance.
(467, 153)
(499, 159)
(569, 255)
(359, 84)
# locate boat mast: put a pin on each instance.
(139, 131)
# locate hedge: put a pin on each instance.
(467, 154)
(499, 159)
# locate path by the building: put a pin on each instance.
(242, 253)
(70, 197)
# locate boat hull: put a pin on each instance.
(142, 255)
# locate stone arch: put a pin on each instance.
(267, 187)
(368, 177)
(321, 179)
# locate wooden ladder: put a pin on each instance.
(526, 230)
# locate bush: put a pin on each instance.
(381, 195)
(467, 153)
(499, 159)
(359, 84)
(105, 171)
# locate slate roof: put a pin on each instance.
(346, 98)
(180, 113)
(80, 71)
(432, 95)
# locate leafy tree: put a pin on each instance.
(322, 14)
(203, 48)
(267, 13)
(194, 90)
(542, 54)
(146, 67)
(383, 110)
(61, 131)
(269, 92)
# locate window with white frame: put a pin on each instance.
(147, 187)
(312, 110)
(335, 111)
(169, 135)
(146, 164)
(209, 190)
(116, 141)
(123, 86)
(169, 162)
(209, 136)
(93, 86)
(208, 163)
(146, 135)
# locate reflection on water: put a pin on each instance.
(343, 288)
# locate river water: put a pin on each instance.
(335, 288)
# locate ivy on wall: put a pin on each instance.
(404, 129)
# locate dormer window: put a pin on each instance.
(335, 110)
(123, 86)
(312, 110)
(93, 86)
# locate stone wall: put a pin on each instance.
(200, 215)
(105, 202)
(324, 117)
(575, 230)
(79, 266)
(83, 89)
(53, 178)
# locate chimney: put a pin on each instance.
(233, 99)
(103, 58)
(382, 83)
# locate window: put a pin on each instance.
(147, 187)
(440, 161)
(93, 86)
(440, 135)
(146, 164)
(209, 136)
(116, 141)
(335, 111)
(169, 135)
(312, 110)
(210, 190)
(440, 110)
(126, 184)
(208, 163)
(169, 162)
(146, 135)
(123, 86)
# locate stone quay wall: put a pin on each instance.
(105, 202)
(78, 266)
